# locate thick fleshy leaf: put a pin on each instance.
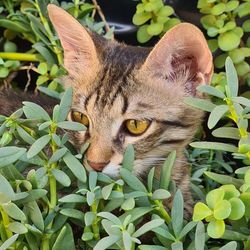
(215, 146)
(61, 177)
(9, 242)
(17, 227)
(65, 105)
(217, 113)
(231, 245)
(38, 146)
(128, 204)
(200, 236)
(200, 103)
(14, 211)
(237, 209)
(216, 228)
(211, 91)
(166, 171)
(128, 158)
(10, 154)
(201, 211)
(74, 126)
(232, 79)
(6, 191)
(214, 197)
(106, 242)
(222, 210)
(148, 227)
(160, 194)
(230, 191)
(34, 111)
(75, 166)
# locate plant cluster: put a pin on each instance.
(227, 24)
(47, 201)
(27, 22)
(154, 19)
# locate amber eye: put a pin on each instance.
(137, 127)
(80, 117)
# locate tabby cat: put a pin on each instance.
(131, 95)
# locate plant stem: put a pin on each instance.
(95, 222)
(162, 211)
(44, 21)
(20, 56)
(6, 222)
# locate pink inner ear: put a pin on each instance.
(182, 49)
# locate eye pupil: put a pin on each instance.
(136, 127)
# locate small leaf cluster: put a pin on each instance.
(154, 19)
(227, 24)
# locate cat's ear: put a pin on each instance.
(80, 54)
(181, 56)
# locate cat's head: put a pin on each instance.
(128, 95)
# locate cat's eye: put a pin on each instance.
(80, 117)
(137, 127)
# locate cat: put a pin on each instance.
(133, 95)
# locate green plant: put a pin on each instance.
(227, 25)
(154, 19)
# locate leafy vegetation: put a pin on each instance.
(48, 201)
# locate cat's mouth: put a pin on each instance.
(111, 169)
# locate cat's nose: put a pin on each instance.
(97, 166)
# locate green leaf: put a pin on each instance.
(214, 197)
(237, 209)
(74, 126)
(148, 227)
(160, 194)
(58, 155)
(14, 26)
(128, 158)
(92, 180)
(38, 146)
(128, 204)
(188, 227)
(106, 242)
(132, 180)
(141, 18)
(75, 166)
(211, 91)
(155, 29)
(127, 241)
(218, 9)
(89, 218)
(106, 191)
(151, 179)
(24, 135)
(200, 103)
(6, 190)
(61, 177)
(166, 171)
(41, 80)
(14, 211)
(42, 68)
(222, 210)
(72, 198)
(200, 236)
(177, 213)
(246, 26)
(65, 239)
(65, 105)
(49, 92)
(72, 213)
(9, 155)
(224, 179)
(90, 198)
(216, 228)
(9, 242)
(228, 41)
(110, 217)
(17, 227)
(149, 247)
(4, 72)
(34, 111)
(229, 246)
(215, 146)
(142, 34)
(35, 215)
(201, 211)
(232, 79)
(227, 132)
(241, 100)
(177, 246)
(217, 113)
(242, 68)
